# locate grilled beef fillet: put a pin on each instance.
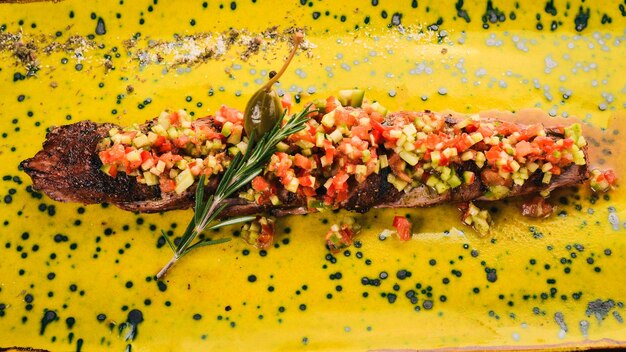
(67, 169)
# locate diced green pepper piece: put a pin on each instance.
(106, 168)
(235, 136)
(575, 132)
(351, 97)
(151, 179)
(227, 128)
(441, 187)
(446, 173)
(320, 104)
(411, 158)
(376, 106)
(282, 146)
(184, 180)
(328, 120)
(468, 177)
(398, 183)
(497, 192)
(454, 181)
(432, 181)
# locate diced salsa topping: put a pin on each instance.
(473, 216)
(602, 181)
(173, 151)
(259, 232)
(343, 145)
(340, 235)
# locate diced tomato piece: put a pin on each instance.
(568, 143)
(332, 103)
(506, 167)
(113, 170)
(545, 143)
(462, 142)
(226, 113)
(523, 148)
(329, 154)
(165, 147)
(472, 127)
(360, 132)
(507, 128)
(531, 131)
(266, 237)
(287, 177)
(112, 155)
(134, 164)
(305, 181)
(432, 140)
(493, 154)
(342, 195)
(167, 185)
(181, 142)
(380, 127)
(308, 191)
(376, 134)
(286, 102)
(302, 161)
(343, 117)
(174, 117)
(195, 168)
(485, 130)
(339, 180)
(145, 155)
(610, 176)
(403, 227)
(376, 117)
(159, 141)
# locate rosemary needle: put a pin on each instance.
(243, 168)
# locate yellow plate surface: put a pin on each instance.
(76, 277)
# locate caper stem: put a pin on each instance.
(297, 39)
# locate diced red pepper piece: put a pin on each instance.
(403, 227)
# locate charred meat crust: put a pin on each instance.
(67, 169)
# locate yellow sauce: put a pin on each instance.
(93, 265)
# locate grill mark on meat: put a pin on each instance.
(67, 169)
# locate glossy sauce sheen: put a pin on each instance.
(80, 277)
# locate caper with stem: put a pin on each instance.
(264, 108)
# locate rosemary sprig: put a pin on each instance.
(242, 169)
